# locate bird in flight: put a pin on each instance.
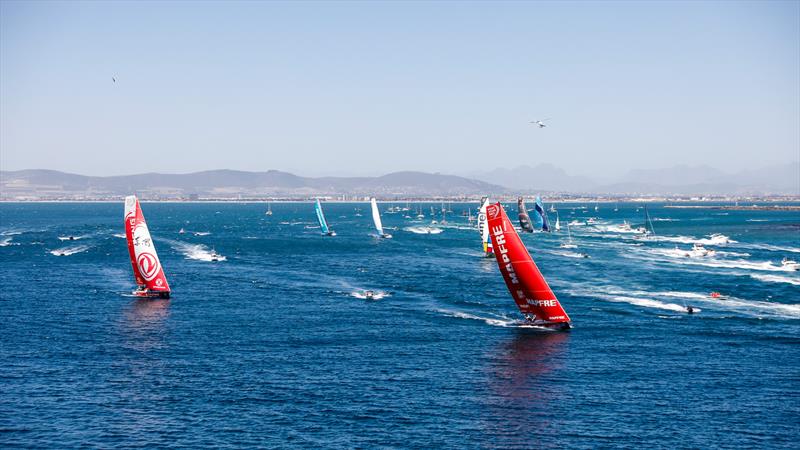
(540, 123)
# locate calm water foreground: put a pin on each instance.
(273, 346)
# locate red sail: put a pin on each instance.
(146, 266)
(523, 279)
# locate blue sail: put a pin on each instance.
(321, 217)
(541, 216)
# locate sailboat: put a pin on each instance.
(376, 217)
(541, 217)
(269, 209)
(534, 298)
(524, 219)
(147, 269)
(569, 243)
(323, 224)
(644, 230)
(558, 222)
(483, 228)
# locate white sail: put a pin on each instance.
(483, 227)
(558, 223)
(376, 217)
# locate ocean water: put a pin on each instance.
(276, 346)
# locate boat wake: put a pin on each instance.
(643, 302)
(6, 241)
(376, 295)
(776, 279)
(679, 256)
(494, 321)
(753, 308)
(120, 235)
(423, 230)
(567, 254)
(719, 239)
(67, 251)
(72, 238)
(198, 252)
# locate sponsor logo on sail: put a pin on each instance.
(148, 265)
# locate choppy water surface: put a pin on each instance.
(276, 345)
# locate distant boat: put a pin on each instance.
(647, 222)
(483, 228)
(552, 208)
(524, 218)
(790, 264)
(558, 222)
(147, 269)
(269, 209)
(323, 224)
(541, 217)
(376, 218)
(534, 298)
(596, 208)
(569, 243)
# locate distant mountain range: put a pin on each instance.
(233, 184)
(545, 178)
(781, 179)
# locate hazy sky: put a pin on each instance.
(369, 87)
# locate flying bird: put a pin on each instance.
(540, 123)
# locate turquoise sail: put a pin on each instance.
(321, 217)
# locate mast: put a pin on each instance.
(648, 221)
(524, 281)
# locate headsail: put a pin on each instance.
(524, 219)
(526, 284)
(541, 221)
(323, 224)
(146, 266)
(483, 227)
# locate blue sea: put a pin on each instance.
(276, 347)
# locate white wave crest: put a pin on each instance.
(66, 251)
(776, 279)
(424, 230)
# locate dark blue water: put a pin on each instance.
(273, 347)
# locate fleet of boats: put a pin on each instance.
(526, 284)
